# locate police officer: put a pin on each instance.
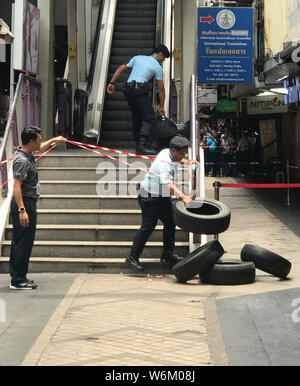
(26, 191)
(156, 202)
(144, 68)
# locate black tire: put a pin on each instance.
(198, 261)
(266, 260)
(230, 272)
(212, 217)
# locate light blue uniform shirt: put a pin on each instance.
(144, 68)
(165, 173)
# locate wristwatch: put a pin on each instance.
(21, 210)
(113, 83)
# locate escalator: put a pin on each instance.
(134, 34)
(125, 28)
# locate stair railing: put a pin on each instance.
(25, 110)
(197, 177)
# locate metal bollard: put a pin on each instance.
(217, 185)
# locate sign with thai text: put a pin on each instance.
(225, 45)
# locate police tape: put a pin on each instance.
(123, 153)
(6, 161)
(167, 180)
(38, 158)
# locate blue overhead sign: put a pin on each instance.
(225, 45)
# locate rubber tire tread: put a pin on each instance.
(198, 261)
(202, 223)
(230, 272)
(266, 260)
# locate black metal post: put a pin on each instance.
(217, 185)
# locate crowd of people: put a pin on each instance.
(228, 152)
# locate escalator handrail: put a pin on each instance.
(95, 47)
(102, 54)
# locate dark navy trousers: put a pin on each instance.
(22, 240)
(154, 209)
(143, 116)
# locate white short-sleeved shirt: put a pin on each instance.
(160, 175)
(144, 68)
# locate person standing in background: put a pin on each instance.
(144, 68)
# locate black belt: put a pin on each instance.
(135, 84)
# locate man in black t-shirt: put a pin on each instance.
(23, 206)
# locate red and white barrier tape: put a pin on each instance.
(38, 158)
(6, 161)
(123, 153)
(126, 163)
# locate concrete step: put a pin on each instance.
(104, 171)
(53, 232)
(52, 201)
(90, 217)
(85, 265)
(93, 249)
(100, 187)
(85, 158)
(89, 187)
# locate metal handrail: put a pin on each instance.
(10, 117)
(23, 94)
(164, 16)
(196, 179)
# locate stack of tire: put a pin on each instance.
(213, 217)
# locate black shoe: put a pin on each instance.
(146, 151)
(142, 148)
(23, 286)
(170, 258)
(133, 262)
(28, 281)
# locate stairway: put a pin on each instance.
(134, 34)
(88, 216)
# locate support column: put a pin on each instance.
(72, 43)
(46, 70)
(189, 54)
(81, 44)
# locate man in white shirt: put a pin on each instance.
(156, 202)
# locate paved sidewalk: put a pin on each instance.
(118, 320)
(130, 320)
